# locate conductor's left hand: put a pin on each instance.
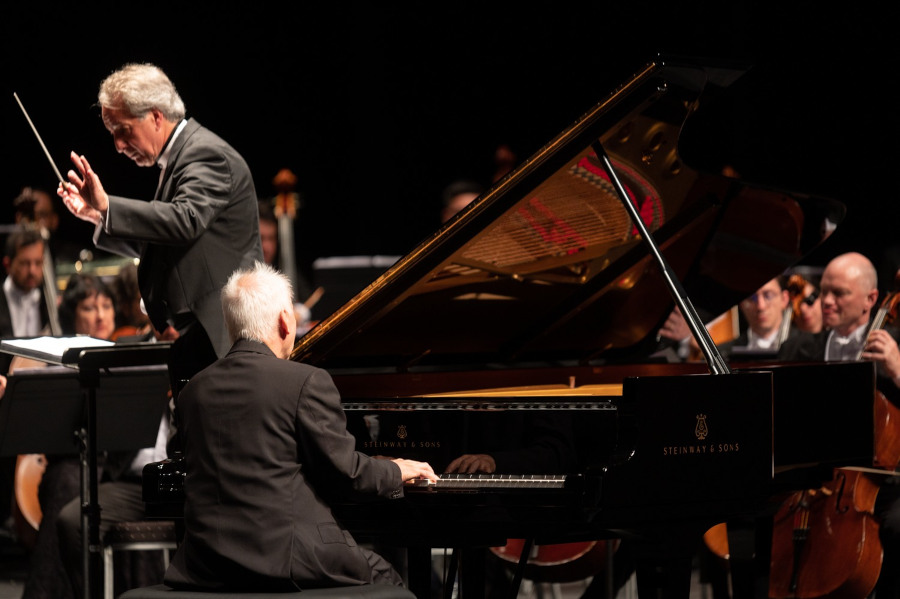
(84, 195)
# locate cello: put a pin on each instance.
(563, 562)
(825, 541)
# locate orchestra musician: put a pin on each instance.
(267, 446)
(765, 311)
(23, 308)
(807, 306)
(23, 313)
(200, 225)
(849, 293)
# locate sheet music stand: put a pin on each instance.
(108, 398)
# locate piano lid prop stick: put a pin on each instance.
(40, 141)
(714, 358)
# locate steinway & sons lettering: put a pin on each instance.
(401, 444)
(701, 449)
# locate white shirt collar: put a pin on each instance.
(24, 309)
(22, 297)
(840, 347)
(163, 159)
(754, 341)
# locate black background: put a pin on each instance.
(377, 107)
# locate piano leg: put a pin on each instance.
(663, 564)
(749, 549)
(471, 572)
(419, 572)
(466, 570)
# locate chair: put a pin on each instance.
(365, 591)
(146, 535)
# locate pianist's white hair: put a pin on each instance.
(252, 299)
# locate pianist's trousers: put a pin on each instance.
(119, 502)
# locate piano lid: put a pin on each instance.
(546, 267)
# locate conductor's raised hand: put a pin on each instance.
(84, 195)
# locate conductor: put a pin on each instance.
(200, 225)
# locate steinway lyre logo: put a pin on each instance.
(401, 431)
(701, 429)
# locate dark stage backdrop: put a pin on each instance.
(377, 106)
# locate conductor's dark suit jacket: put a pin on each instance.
(201, 226)
(266, 446)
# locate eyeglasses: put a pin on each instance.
(810, 299)
(767, 296)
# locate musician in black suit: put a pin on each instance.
(200, 226)
(23, 307)
(23, 313)
(849, 296)
(766, 332)
(266, 447)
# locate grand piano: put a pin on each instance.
(525, 328)
(536, 309)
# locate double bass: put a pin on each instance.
(825, 541)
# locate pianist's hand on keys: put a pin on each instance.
(411, 469)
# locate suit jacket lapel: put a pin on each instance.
(177, 145)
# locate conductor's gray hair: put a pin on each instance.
(138, 88)
(252, 299)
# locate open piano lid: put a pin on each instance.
(547, 268)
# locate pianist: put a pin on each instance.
(265, 444)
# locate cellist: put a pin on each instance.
(849, 296)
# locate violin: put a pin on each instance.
(128, 330)
(825, 541)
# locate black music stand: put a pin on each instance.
(110, 398)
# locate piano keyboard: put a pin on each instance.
(489, 482)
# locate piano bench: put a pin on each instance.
(364, 591)
(147, 535)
